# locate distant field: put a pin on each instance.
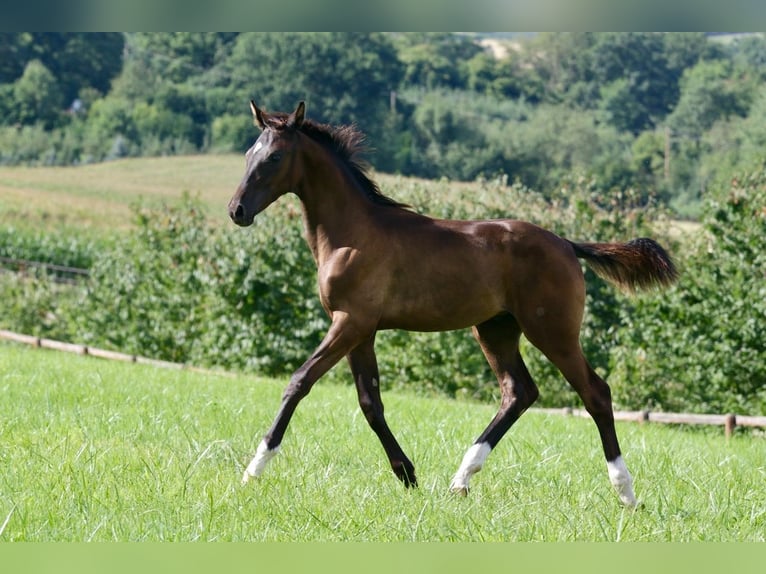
(96, 450)
(98, 198)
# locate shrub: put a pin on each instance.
(180, 289)
(701, 346)
(59, 249)
(34, 304)
(231, 133)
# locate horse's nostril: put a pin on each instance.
(238, 213)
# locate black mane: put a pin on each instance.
(347, 143)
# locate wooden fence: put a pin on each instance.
(728, 421)
(43, 343)
(59, 273)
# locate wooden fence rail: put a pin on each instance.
(26, 263)
(59, 273)
(728, 421)
(43, 343)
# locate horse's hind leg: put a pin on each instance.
(499, 340)
(597, 398)
(562, 347)
(364, 367)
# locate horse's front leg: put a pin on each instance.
(339, 340)
(364, 368)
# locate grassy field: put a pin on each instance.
(98, 198)
(96, 450)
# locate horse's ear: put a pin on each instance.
(257, 116)
(296, 118)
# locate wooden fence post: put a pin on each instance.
(729, 424)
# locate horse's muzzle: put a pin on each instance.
(240, 215)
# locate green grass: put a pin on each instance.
(98, 197)
(97, 450)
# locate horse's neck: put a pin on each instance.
(335, 213)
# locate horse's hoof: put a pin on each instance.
(246, 478)
(459, 490)
(409, 482)
(405, 473)
(630, 502)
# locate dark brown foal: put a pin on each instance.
(381, 266)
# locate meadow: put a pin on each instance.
(98, 197)
(93, 450)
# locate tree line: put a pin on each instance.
(667, 114)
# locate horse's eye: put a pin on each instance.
(275, 157)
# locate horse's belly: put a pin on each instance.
(444, 308)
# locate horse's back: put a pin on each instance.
(448, 274)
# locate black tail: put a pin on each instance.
(632, 266)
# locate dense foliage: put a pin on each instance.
(702, 346)
(658, 112)
(182, 290)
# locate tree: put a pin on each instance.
(685, 49)
(76, 60)
(179, 57)
(632, 77)
(87, 60)
(750, 52)
(710, 91)
(563, 64)
(434, 60)
(639, 89)
(37, 98)
(11, 61)
(343, 77)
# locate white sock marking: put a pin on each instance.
(473, 460)
(621, 480)
(262, 456)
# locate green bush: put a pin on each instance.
(30, 145)
(701, 346)
(58, 249)
(180, 290)
(34, 304)
(35, 301)
(231, 133)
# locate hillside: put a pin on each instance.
(667, 117)
(99, 198)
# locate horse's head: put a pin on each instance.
(269, 171)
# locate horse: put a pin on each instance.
(381, 265)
